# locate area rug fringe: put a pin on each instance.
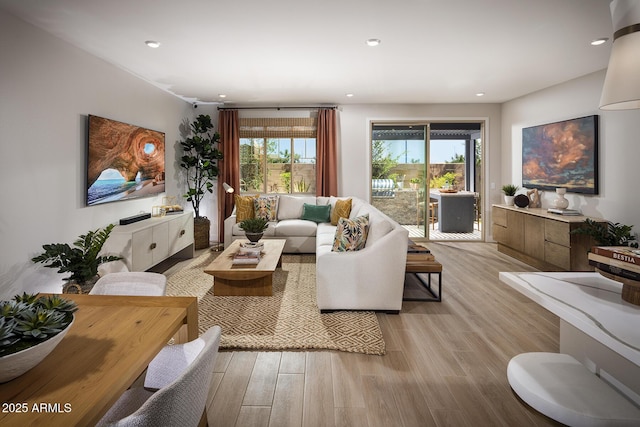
(288, 320)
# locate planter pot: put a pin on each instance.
(254, 237)
(508, 200)
(201, 230)
(16, 364)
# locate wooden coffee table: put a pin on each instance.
(243, 280)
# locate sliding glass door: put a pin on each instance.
(427, 176)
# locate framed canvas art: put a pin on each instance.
(561, 154)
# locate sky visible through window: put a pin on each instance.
(412, 151)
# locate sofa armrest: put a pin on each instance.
(228, 229)
(369, 279)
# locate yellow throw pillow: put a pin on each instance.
(342, 209)
(244, 207)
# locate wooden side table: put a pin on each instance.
(420, 263)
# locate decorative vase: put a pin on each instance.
(508, 200)
(15, 364)
(201, 226)
(254, 237)
(561, 202)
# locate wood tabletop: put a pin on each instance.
(110, 344)
(223, 265)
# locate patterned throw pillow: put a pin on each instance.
(266, 207)
(351, 234)
(244, 207)
(342, 209)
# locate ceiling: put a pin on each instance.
(297, 52)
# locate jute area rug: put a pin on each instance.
(288, 320)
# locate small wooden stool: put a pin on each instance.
(417, 264)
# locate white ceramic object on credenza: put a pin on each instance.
(15, 364)
(508, 200)
(561, 202)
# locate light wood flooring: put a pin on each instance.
(445, 363)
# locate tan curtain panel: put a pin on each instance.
(294, 127)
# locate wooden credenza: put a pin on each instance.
(541, 239)
(146, 243)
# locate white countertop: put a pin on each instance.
(589, 302)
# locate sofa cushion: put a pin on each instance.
(244, 207)
(266, 207)
(290, 207)
(325, 235)
(341, 209)
(316, 213)
(378, 228)
(351, 234)
(295, 228)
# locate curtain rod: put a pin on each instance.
(332, 107)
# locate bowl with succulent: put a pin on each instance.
(254, 228)
(31, 326)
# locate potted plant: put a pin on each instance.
(30, 328)
(81, 261)
(415, 182)
(509, 191)
(254, 228)
(200, 161)
(606, 233)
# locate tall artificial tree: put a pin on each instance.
(200, 161)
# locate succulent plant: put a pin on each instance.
(7, 337)
(28, 320)
(54, 302)
(254, 225)
(40, 323)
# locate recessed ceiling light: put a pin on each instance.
(349, 95)
(152, 43)
(598, 42)
(480, 94)
(373, 42)
(222, 95)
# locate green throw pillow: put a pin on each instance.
(316, 213)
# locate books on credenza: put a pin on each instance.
(564, 211)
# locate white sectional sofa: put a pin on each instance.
(371, 278)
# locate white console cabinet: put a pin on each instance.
(145, 243)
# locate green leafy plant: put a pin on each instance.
(81, 261)
(605, 233)
(28, 320)
(510, 189)
(254, 225)
(440, 181)
(381, 161)
(200, 160)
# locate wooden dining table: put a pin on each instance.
(108, 346)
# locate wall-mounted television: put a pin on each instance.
(123, 161)
(561, 154)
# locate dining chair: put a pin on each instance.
(131, 283)
(183, 374)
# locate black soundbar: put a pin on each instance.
(135, 218)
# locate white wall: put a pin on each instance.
(619, 152)
(47, 88)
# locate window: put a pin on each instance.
(278, 155)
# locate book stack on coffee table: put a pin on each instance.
(622, 264)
